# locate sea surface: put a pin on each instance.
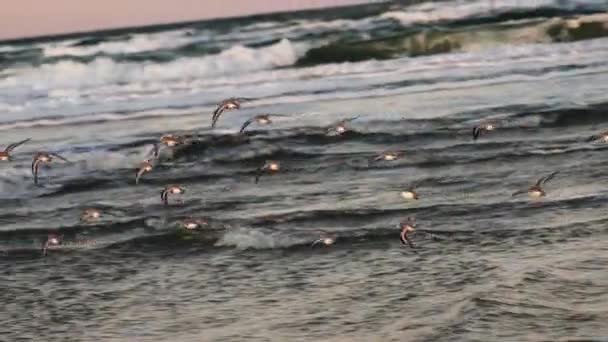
(418, 77)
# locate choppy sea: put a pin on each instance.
(419, 76)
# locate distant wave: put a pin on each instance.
(458, 11)
(171, 44)
(116, 45)
(436, 41)
(67, 73)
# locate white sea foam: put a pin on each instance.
(244, 238)
(453, 10)
(102, 71)
(135, 44)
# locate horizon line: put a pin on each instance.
(161, 25)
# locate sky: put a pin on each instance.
(27, 18)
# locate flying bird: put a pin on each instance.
(482, 129)
(262, 119)
(43, 158)
(171, 189)
(51, 240)
(407, 226)
(387, 156)
(603, 137)
(270, 166)
(90, 215)
(410, 192)
(341, 126)
(232, 103)
(193, 223)
(326, 239)
(6, 154)
(168, 140)
(537, 190)
(145, 166)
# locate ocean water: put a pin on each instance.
(418, 77)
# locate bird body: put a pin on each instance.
(43, 158)
(51, 241)
(325, 239)
(481, 129)
(89, 215)
(6, 154)
(262, 119)
(145, 166)
(537, 190)
(232, 103)
(341, 126)
(407, 226)
(270, 166)
(387, 156)
(171, 189)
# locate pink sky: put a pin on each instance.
(24, 18)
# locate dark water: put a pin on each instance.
(494, 268)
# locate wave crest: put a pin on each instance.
(104, 70)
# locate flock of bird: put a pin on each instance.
(407, 226)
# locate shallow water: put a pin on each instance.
(491, 266)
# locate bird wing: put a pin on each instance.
(348, 119)
(140, 172)
(241, 99)
(59, 157)
(406, 240)
(519, 192)
(154, 151)
(593, 138)
(35, 165)
(258, 174)
(316, 242)
(45, 246)
(247, 123)
(544, 180)
(217, 113)
(476, 132)
(11, 147)
(379, 157)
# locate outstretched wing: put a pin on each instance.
(11, 147)
(45, 246)
(347, 120)
(406, 240)
(247, 123)
(343, 121)
(241, 99)
(59, 157)
(476, 132)
(379, 157)
(546, 179)
(35, 166)
(217, 113)
(154, 151)
(258, 174)
(140, 172)
(520, 192)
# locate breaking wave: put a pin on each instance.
(104, 70)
